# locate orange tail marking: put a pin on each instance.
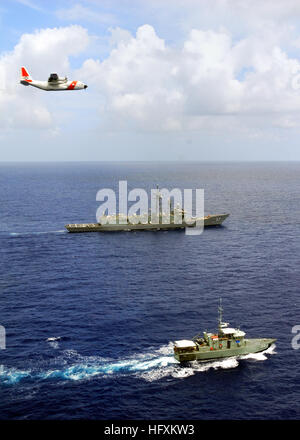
(24, 71)
(72, 85)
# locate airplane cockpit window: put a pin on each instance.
(53, 77)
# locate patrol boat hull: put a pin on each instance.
(211, 220)
(221, 352)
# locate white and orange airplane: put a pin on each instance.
(54, 82)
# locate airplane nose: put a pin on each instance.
(85, 86)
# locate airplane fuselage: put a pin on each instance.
(55, 86)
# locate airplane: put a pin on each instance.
(54, 82)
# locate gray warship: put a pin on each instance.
(131, 225)
(174, 218)
(226, 342)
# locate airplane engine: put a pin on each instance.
(54, 78)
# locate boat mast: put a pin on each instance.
(157, 202)
(220, 308)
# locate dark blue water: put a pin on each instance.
(112, 303)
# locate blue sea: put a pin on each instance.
(90, 319)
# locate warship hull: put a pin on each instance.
(220, 350)
(212, 220)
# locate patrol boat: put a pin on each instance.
(227, 342)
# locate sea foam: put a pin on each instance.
(150, 366)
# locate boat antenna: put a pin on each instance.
(220, 308)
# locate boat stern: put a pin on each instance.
(185, 350)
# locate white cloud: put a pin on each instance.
(78, 12)
(41, 52)
(234, 14)
(118, 36)
(150, 85)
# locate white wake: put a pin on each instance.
(152, 366)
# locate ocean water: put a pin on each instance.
(90, 319)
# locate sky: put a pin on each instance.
(183, 80)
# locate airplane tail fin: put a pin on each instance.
(25, 77)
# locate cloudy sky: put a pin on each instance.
(168, 80)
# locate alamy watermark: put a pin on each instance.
(295, 341)
(176, 207)
(2, 338)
